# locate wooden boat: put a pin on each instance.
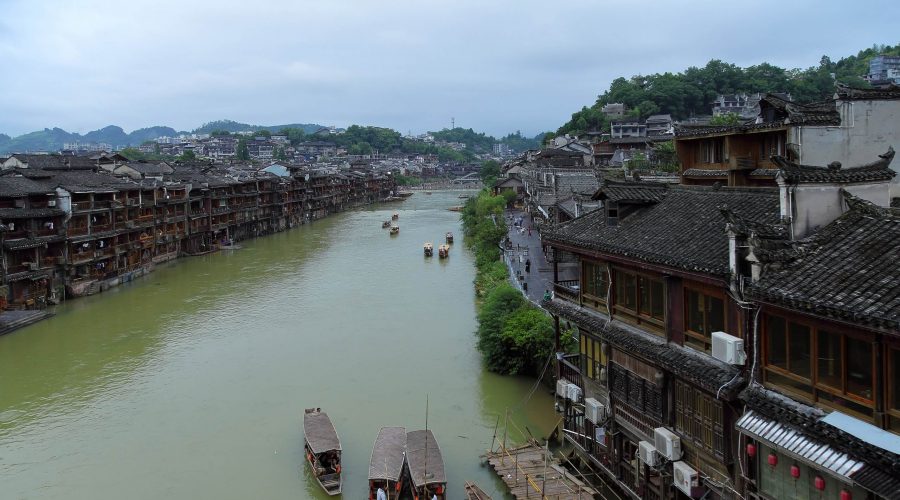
(457, 208)
(386, 463)
(449, 237)
(444, 251)
(428, 249)
(395, 229)
(323, 450)
(395, 216)
(385, 224)
(427, 192)
(474, 492)
(404, 194)
(425, 466)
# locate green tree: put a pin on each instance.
(188, 156)
(489, 172)
(242, 152)
(726, 119)
(666, 158)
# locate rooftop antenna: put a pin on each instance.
(452, 123)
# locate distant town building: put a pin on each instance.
(614, 110)
(627, 127)
(884, 69)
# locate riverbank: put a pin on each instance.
(207, 365)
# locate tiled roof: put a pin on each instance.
(794, 113)
(764, 172)
(21, 186)
(631, 192)
(684, 230)
(705, 172)
(576, 183)
(847, 270)
(878, 170)
(881, 472)
(852, 94)
(700, 369)
(28, 213)
(23, 243)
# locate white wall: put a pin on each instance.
(867, 129)
(816, 205)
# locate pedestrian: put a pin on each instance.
(529, 230)
(525, 286)
(547, 295)
(528, 265)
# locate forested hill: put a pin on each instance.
(692, 91)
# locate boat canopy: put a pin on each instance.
(386, 462)
(320, 433)
(424, 469)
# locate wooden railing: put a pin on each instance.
(567, 289)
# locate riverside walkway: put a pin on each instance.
(530, 471)
(527, 247)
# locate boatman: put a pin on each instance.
(380, 495)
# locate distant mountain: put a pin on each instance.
(54, 139)
(233, 126)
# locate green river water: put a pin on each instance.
(191, 382)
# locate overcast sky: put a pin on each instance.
(409, 65)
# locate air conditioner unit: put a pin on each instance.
(685, 478)
(648, 453)
(668, 444)
(51, 203)
(728, 348)
(573, 392)
(562, 387)
(594, 410)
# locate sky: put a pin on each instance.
(494, 66)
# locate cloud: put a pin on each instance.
(494, 66)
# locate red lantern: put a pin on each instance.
(846, 495)
(751, 450)
(773, 459)
(820, 483)
(795, 471)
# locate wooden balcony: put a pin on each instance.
(567, 289)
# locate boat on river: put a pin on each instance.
(457, 208)
(395, 216)
(323, 450)
(449, 237)
(428, 248)
(404, 194)
(395, 228)
(444, 251)
(385, 224)
(386, 463)
(425, 466)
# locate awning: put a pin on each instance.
(793, 442)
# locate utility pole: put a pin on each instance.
(452, 123)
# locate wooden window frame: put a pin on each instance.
(700, 418)
(589, 299)
(813, 382)
(891, 407)
(703, 292)
(635, 316)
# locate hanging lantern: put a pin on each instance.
(751, 450)
(820, 483)
(846, 495)
(773, 459)
(795, 471)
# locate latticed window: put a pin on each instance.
(699, 418)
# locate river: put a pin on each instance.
(191, 382)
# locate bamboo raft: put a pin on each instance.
(530, 471)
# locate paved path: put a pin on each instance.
(524, 248)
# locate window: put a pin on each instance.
(893, 387)
(641, 297)
(612, 213)
(713, 151)
(596, 281)
(698, 418)
(840, 375)
(705, 314)
(592, 358)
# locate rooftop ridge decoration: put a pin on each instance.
(843, 271)
(847, 93)
(878, 170)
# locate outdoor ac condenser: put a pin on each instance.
(668, 443)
